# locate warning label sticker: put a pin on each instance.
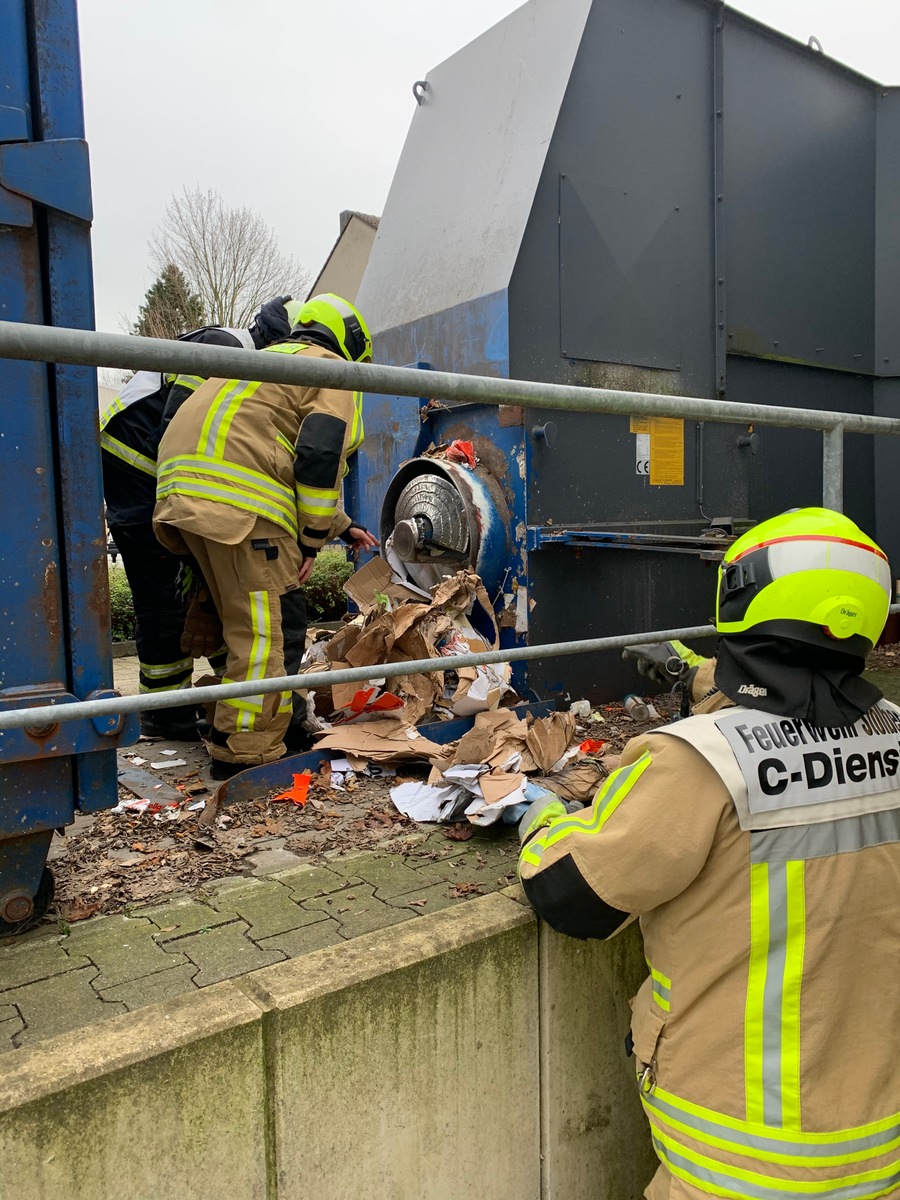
(666, 452)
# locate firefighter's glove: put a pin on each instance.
(272, 321)
(202, 635)
(664, 663)
(545, 807)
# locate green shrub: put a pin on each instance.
(325, 601)
(121, 606)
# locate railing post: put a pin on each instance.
(833, 468)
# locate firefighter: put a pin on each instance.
(758, 842)
(130, 432)
(249, 482)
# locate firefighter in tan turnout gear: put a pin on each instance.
(758, 842)
(248, 483)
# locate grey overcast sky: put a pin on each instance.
(300, 110)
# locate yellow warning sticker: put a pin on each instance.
(639, 425)
(666, 452)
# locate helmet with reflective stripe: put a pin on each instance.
(333, 322)
(810, 575)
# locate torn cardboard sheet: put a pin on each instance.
(549, 738)
(379, 741)
(377, 579)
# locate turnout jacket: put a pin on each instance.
(762, 856)
(132, 426)
(238, 451)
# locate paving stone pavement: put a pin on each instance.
(53, 981)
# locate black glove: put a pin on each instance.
(271, 322)
(664, 662)
(345, 536)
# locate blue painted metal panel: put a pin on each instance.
(71, 299)
(54, 604)
(55, 173)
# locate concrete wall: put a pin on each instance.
(468, 1054)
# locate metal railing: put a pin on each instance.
(41, 343)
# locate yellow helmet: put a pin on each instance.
(334, 322)
(811, 575)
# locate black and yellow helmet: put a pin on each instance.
(334, 321)
(811, 575)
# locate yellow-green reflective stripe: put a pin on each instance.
(109, 412)
(252, 704)
(285, 444)
(193, 467)
(125, 453)
(756, 982)
(766, 1149)
(318, 493)
(261, 624)
(729, 1180)
(192, 382)
(286, 520)
(790, 995)
(287, 702)
(608, 799)
(592, 820)
(221, 413)
(661, 988)
(357, 431)
(875, 1133)
(161, 670)
(772, 1018)
(322, 509)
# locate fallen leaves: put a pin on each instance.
(459, 833)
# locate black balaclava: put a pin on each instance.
(796, 679)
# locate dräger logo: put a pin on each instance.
(750, 689)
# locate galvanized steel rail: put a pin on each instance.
(21, 718)
(42, 343)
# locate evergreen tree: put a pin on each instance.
(170, 307)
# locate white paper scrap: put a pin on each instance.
(425, 802)
(480, 813)
(136, 759)
(172, 762)
(170, 752)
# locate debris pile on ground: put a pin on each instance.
(401, 624)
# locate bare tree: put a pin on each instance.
(229, 256)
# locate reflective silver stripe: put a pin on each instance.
(160, 671)
(139, 386)
(730, 1184)
(244, 336)
(189, 381)
(819, 554)
(845, 836)
(221, 496)
(740, 1140)
(222, 405)
(772, 995)
(661, 994)
(126, 454)
(194, 467)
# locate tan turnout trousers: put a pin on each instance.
(246, 584)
